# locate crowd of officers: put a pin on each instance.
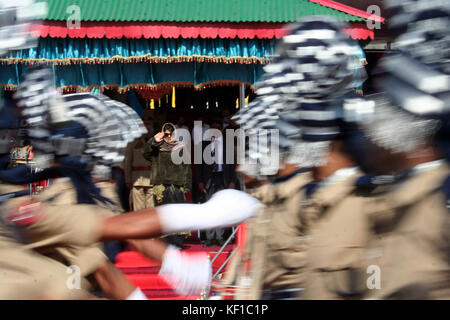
(370, 221)
(347, 241)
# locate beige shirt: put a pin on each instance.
(412, 237)
(276, 244)
(338, 239)
(25, 274)
(137, 168)
(64, 230)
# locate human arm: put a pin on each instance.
(226, 208)
(151, 146)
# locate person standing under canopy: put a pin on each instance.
(171, 181)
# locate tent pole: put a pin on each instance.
(241, 95)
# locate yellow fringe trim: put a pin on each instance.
(178, 84)
(135, 59)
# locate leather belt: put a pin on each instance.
(141, 168)
(286, 294)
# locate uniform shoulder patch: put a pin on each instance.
(25, 213)
(446, 189)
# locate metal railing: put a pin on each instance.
(221, 250)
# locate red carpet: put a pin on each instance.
(143, 272)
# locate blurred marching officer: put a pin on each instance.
(24, 274)
(409, 133)
(310, 126)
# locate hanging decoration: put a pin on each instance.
(173, 98)
(108, 51)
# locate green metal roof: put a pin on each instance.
(193, 10)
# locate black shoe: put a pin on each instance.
(179, 245)
(209, 243)
(175, 241)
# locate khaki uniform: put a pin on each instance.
(338, 241)
(25, 274)
(137, 173)
(277, 239)
(65, 231)
(411, 234)
(108, 190)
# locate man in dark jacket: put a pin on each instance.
(216, 176)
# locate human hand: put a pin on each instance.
(202, 188)
(159, 136)
(188, 274)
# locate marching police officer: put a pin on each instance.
(280, 235)
(409, 131)
(24, 274)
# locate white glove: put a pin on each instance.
(137, 294)
(188, 274)
(226, 208)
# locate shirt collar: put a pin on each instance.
(337, 186)
(427, 166)
(338, 176)
(422, 179)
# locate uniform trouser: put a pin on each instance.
(165, 194)
(142, 198)
(121, 188)
(215, 184)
